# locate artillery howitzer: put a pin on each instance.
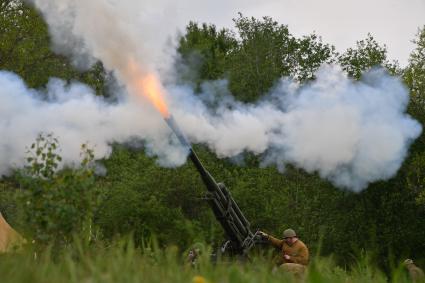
(240, 238)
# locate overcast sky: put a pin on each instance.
(339, 22)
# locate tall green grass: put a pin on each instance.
(121, 261)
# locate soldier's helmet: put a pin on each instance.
(408, 261)
(289, 233)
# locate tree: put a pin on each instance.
(253, 59)
(139, 196)
(260, 57)
(414, 75)
(311, 54)
(203, 52)
(367, 54)
(25, 49)
(56, 204)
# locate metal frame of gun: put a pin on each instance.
(240, 237)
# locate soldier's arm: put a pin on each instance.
(274, 241)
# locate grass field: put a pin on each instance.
(122, 262)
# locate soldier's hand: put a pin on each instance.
(262, 234)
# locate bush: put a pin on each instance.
(55, 204)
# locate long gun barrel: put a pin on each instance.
(225, 209)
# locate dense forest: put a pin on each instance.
(137, 196)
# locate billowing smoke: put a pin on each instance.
(351, 133)
(76, 116)
(113, 31)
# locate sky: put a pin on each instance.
(339, 22)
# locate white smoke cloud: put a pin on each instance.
(111, 31)
(351, 133)
(76, 116)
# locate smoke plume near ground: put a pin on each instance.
(351, 133)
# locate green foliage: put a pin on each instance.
(367, 54)
(24, 42)
(141, 197)
(311, 53)
(260, 57)
(414, 75)
(253, 59)
(384, 219)
(56, 204)
(203, 51)
(8, 205)
(416, 177)
(43, 159)
(266, 52)
(25, 49)
(121, 261)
